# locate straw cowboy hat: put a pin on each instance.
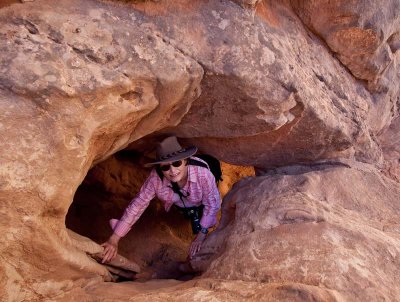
(170, 150)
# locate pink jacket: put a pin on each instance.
(200, 185)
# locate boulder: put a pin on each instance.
(324, 225)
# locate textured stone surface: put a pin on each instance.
(73, 90)
(364, 36)
(326, 225)
(204, 290)
(289, 87)
(390, 142)
(283, 90)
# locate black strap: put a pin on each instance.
(194, 162)
(174, 186)
(178, 191)
(159, 172)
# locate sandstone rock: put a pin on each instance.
(7, 2)
(119, 265)
(324, 228)
(389, 140)
(364, 37)
(247, 3)
(301, 233)
(73, 91)
(282, 88)
(362, 34)
(250, 86)
(206, 290)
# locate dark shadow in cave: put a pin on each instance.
(158, 242)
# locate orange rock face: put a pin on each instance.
(304, 93)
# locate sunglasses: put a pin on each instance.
(175, 164)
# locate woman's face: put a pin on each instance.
(177, 172)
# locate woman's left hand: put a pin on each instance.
(196, 244)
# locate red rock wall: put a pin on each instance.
(278, 85)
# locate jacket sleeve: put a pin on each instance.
(136, 207)
(211, 199)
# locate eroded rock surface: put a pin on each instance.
(329, 228)
(279, 83)
(73, 91)
(364, 35)
(302, 90)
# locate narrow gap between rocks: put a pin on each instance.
(159, 241)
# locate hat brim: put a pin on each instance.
(181, 155)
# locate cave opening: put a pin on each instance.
(159, 241)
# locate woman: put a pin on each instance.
(175, 181)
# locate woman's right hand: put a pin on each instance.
(110, 248)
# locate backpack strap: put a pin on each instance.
(159, 172)
(195, 162)
(214, 165)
